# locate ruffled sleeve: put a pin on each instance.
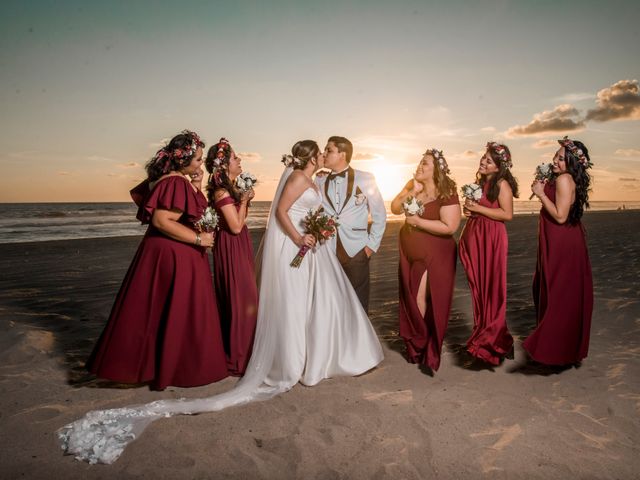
(172, 193)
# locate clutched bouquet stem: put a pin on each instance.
(319, 224)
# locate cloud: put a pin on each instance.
(98, 158)
(545, 144)
(161, 143)
(620, 101)
(628, 152)
(625, 179)
(64, 174)
(251, 157)
(574, 97)
(488, 129)
(364, 156)
(129, 165)
(563, 118)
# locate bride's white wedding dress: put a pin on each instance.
(310, 326)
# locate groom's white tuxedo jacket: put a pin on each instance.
(351, 198)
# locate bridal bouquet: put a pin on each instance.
(321, 226)
(413, 206)
(208, 222)
(543, 173)
(472, 191)
(245, 181)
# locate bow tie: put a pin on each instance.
(342, 174)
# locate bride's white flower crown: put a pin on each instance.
(290, 161)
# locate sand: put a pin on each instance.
(511, 421)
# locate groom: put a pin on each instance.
(351, 195)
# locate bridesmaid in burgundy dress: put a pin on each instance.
(427, 259)
(233, 266)
(483, 253)
(164, 326)
(562, 285)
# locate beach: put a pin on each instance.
(510, 421)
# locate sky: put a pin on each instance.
(90, 90)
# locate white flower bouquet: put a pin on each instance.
(472, 191)
(543, 173)
(412, 206)
(208, 222)
(245, 181)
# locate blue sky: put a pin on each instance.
(89, 91)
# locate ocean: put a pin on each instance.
(41, 222)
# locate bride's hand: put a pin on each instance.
(306, 241)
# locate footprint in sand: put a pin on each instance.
(506, 436)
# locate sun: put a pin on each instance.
(390, 176)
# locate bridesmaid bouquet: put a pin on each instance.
(543, 173)
(245, 181)
(208, 222)
(472, 191)
(413, 206)
(321, 226)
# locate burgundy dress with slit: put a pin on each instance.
(562, 292)
(236, 290)
(421, 252)
(483, 253)
(164, 326)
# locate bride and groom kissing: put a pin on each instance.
(312, 321)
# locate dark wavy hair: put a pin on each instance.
(177, 154)
(217, 164)
(504, 173)
(343, 145)
(445, 185)
(582, 180)
(304, 151)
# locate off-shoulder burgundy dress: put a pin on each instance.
(483, 253)
(422, 252)
(562, 291)
(164, 326)
(235, 282)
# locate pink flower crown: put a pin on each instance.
(164, 155)
(222, 157)
(439, 158)
(501, 151)
(568, 144)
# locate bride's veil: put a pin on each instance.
(101, 435)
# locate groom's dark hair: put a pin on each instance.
(343, 145)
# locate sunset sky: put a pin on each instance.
(90, 90)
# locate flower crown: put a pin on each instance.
(291, 161)
(165, 155)
(568, 144)
(222, 158)
(437, 155)
(501, 151)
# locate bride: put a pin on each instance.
(310, 325)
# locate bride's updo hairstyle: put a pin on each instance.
(301, 154)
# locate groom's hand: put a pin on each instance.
(368, 251)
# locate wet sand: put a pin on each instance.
(511, 421)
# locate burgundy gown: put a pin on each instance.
(164, 326)
(562, 292)
(421, 251)
(483, 253)
(236, 291)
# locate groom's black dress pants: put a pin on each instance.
(357, 270)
